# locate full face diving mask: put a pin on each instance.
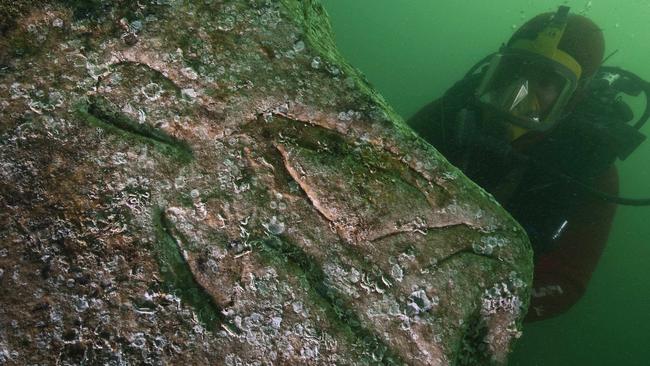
(531, 81)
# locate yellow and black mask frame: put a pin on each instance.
(514, 82)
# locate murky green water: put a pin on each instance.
(413, 50)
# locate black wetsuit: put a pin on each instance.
(530, 178)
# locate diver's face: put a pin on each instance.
(546, 91)
(527, 90)
(530, 94)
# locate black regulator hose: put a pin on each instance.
(624, 201)
(484, 61)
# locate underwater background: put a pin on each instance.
(413, 50)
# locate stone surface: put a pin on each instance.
(208, 182)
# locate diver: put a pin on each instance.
(539, 125)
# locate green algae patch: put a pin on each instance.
(100, 113)
(178, 277)
(311, 16)
(10, 11)
(282, 253)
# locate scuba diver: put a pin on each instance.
(539, 125)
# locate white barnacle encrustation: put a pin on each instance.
(316, 63)
(299, 46)
(397, 273)
(500, 298)
(189, 93)
(152, 91)
(189, 73)
(354, 275)
(488, 244)
(274, 226)
(81, 304)
(419, 302)
(138, 340)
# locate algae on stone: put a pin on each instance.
(209, 182)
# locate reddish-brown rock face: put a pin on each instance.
(208, 182)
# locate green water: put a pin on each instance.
(413, 50)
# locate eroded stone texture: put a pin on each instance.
(208, 182)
